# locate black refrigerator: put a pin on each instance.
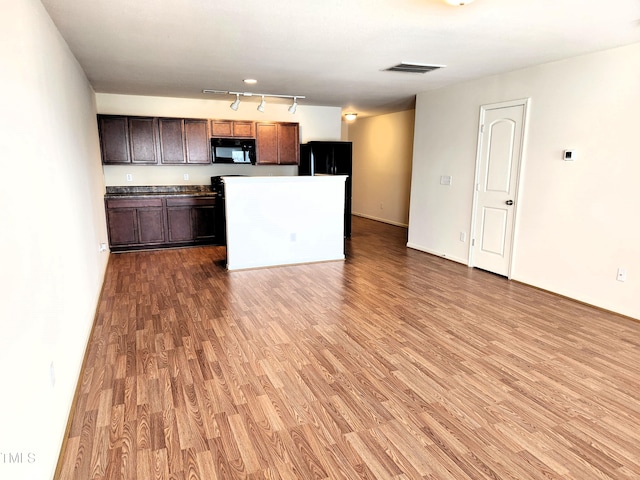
(329, 158)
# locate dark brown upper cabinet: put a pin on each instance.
(277, 143)
(114, 139)
(143, 139)
(151, 140)
(233, 128)
(171, 134)
(184, 141)
(128, 140)
(197, 141)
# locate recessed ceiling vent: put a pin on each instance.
(413, 68)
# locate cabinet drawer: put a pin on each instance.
(133, 202)
(190, 201)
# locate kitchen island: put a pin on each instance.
(284, 220)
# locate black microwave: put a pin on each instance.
(233, 150)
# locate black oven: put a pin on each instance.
(217, 185)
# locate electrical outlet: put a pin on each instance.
(463, 236)
(102, 247)
(622, 274)
(381, 206)
(52, 375)
(129, 177)
(186, 176)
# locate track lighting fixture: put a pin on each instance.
(261, 107)
(294, 105)
(236, 103)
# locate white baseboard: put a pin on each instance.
(383, 220)
(464, 261)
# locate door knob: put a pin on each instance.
(509, 202)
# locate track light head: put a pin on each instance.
(294, 105)
(262, 104)
(236, 103)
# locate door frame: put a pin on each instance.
(526, 104)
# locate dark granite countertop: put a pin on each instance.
(152, 191)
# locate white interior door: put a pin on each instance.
(497, 171)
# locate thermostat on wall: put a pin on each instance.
(569, 155)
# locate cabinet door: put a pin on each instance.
(197, 141)
(231, 128)
(288, 144)
(244, 129)
(204, 222)
(135, 221)
(122, 226)
(179, 224)
(143, 139)
(267, 143)
(150, 225)
(171, 132)
(221, 128)
(114, 139)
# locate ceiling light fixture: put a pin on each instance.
(250, 81)
(294, 105)
(458, 3)
(350, 117)
(236, 103)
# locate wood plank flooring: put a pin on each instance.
(394, 364)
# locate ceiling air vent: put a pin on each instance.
(413, 68)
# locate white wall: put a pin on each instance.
(578, 221)
(316, 123)
(52, 217)
(382, 154)
(284, 220)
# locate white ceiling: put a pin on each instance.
(331, 51)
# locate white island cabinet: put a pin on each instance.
(284, 220)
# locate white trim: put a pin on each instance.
(382, 220)
(437, 254)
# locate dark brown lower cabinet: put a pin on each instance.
(191, 219)
(150, 225)
(132, 221)
(179, 222)
(204, 221)
(137, 223)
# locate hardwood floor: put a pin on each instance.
(394, 364)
